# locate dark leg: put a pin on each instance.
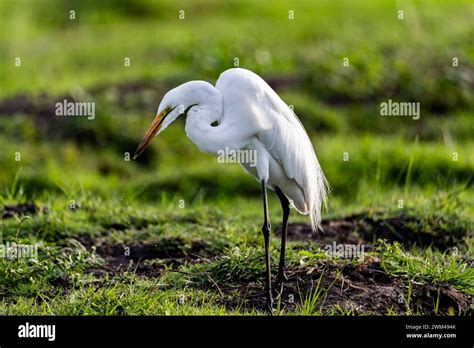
(266, 236)
(285, 206)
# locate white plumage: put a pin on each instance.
(242, 112)
(279, 138)
(252, 116)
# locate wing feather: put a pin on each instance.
(279, 129)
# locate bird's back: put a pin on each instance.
(249, 100)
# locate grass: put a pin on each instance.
(432, 268)
(309, 303)
(191, 225)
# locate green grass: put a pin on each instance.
(432, 268)
(204, 218)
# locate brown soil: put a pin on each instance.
(364, 289)
(10, 211)
(124, 95)
(365, 229)
(145, 258)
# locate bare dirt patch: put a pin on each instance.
(361, 228)
(365, 289)
(127, 95)
(10, 211)
(147, 258)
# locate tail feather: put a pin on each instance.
(317, 190)
(318, 195)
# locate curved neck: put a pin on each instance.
(213, 139)
(198, 127)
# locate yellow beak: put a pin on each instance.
(151, 132)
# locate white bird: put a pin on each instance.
(242, 112)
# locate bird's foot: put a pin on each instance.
(269, 303)
(279, 283)
(269, 307)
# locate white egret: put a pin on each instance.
(242, 112)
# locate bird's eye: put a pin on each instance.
(214, 124)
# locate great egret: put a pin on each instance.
(242, 112)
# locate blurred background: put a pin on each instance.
(68, 184)
(78, 50)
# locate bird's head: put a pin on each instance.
(176, 102)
